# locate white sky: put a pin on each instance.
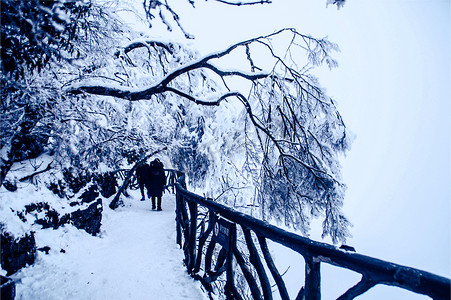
(393, 91)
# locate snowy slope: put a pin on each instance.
(134, 257)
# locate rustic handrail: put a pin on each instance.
(198, 242)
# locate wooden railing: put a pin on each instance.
(208, 233)
(132, 183)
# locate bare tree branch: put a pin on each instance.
(146, 44)
(163, 6)
(241, 3)
(30, 177)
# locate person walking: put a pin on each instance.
(157, 181)
(142, 175)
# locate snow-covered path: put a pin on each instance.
(134, 257)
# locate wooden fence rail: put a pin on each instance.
(208, 233)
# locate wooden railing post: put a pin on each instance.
(202, 239)
(258, 265)
(272, 268)
(230, 289)
(192, 236)
(184, 222)
(312, 279)
(178, 218)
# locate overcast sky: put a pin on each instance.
(393, 90)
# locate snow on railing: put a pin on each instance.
(208, 232)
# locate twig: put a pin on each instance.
(29, 177)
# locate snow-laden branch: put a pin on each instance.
(146, 44)
(241, 3)
(203, 63)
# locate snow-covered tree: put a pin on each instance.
(40, 40)
(270, 142)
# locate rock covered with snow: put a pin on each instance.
(33, 206)
(17, 253)
(7, 288)
(88, 219)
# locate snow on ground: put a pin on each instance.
(134, 257)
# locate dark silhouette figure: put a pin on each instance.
(142, 174)
(157, 181)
